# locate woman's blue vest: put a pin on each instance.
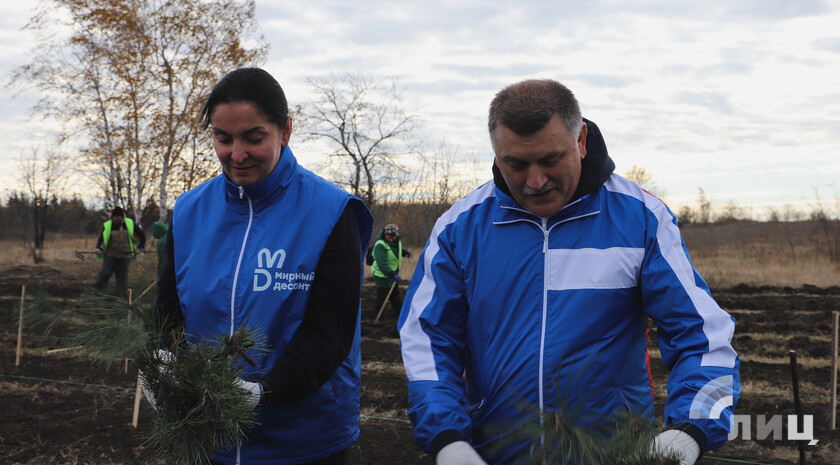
(246, 257)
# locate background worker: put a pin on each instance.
(540, 283)
(159, 230)
(388, 253)
(116, 245)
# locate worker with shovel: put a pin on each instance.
(387, 258)
(119, 239)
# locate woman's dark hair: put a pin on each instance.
(250, 85)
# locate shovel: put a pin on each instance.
(376, 321)
(81, 255)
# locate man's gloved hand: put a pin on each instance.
(459, 453)
(396, 277)
(677, 444)
(167, 358)
(407, 253)
(253, 392)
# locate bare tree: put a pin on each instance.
(643, 178)
(125, 83)
(704, 207)
(43, 179)
(364, 123)
(446, 173)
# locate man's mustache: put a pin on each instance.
(542, 190)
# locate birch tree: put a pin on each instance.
(125, 83)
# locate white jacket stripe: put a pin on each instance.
(612, 268)
(417, 354)
(718, 326)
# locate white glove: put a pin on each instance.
(253, 392)
(167, 358)
(677, 444)
(459, 453)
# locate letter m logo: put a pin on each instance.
(265, 259)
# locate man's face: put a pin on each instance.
(542, 169)
(390, 237)
(116, 219)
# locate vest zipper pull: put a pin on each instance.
(241, 192)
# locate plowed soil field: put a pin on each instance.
(57, 407)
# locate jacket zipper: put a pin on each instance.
(545, 231)
(236, 278)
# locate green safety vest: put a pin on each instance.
(393, 261)
(106, 235)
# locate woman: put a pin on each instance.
(270, 246)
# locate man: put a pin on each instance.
(118, 240)
(387, 258)
(541, 282)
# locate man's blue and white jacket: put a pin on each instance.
(245, 257)
(528, 308)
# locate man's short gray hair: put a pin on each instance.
(527, 106)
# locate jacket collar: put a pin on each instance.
(596, 168)
(266, 190)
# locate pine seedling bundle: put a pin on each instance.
(200, 405)
(571, 436)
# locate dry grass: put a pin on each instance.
(774, 254)
(59, 253)
(752, 253)
(57, 249)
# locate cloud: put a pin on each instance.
(716, 101)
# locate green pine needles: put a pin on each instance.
(571, 436)
(200, 407)
(199, 403)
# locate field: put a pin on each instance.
(59, 407)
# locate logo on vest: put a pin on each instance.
(265, 277)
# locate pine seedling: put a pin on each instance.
(200, 406)
(108, 328)
(570, 435)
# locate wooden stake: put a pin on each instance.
(63, 349)
(129, 320)
(797, 404)
(138, 394)
(20, 327)
(147, 290)
(834, 371)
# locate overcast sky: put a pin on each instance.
(737, 97)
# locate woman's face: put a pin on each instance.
(247, 143)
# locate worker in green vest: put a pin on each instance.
(387, 258)
(119, 239)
